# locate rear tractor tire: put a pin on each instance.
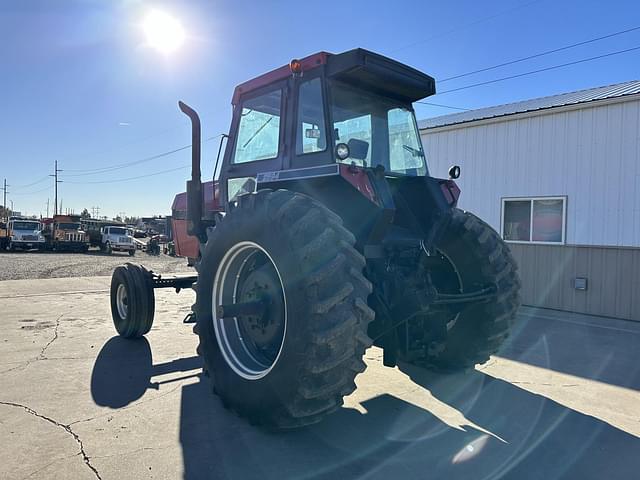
(291, 364)
(477, 256)
(132, 300)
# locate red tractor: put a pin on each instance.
(324, 234)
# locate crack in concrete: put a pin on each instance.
(123, 454)
(41, 356)
(66, 428)
(55, 337)
(49, 464)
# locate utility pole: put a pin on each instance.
(4, 201)
(47, 208)
(56, 182)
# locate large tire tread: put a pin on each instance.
(335, 291)
(488, 254)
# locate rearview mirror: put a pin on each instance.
(312, 133)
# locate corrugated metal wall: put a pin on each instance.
(613, 274)
(592, 155)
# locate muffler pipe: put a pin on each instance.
(195, 197)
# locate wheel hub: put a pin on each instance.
(122, 301)
(266, 328)
(249, 310)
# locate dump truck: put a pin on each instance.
(323, 234)
(65, 233)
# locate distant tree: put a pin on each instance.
(118, 218)
(4, 212)
(131, 220)
(85, 214)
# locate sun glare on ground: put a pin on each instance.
(164, 32)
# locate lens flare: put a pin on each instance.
(164, 32)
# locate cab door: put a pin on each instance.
(309, 130)
(256, 141)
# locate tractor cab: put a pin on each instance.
(339, 128)
(354, 109)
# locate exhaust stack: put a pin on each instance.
(195, 197)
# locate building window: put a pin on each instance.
(259, 129)
(534, 219)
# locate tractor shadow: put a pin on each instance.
(516, 435)
(482, 428)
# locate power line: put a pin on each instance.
(36, 191)
(134, 178)
(46, 177)
(443, 106)
(140, 140)
(120, 166)
(541, 54)
(130, 164)
(610, 54)
(466, 25)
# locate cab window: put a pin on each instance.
(311, 134)
(259, 129)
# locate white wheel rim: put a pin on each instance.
(122, 301)
(228, 332)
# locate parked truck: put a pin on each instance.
(323, 234)
(117, 239)
(65, 233)
(109, 235)
(24, 234)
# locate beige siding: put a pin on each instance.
(548, 271)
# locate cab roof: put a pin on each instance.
(359, 67)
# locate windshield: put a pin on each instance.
(117, 231)
(69, 226)
(26, 226)
(384, 131)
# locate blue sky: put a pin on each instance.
(79, 84)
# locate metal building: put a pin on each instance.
(559, 178)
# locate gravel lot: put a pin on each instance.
(32, 265)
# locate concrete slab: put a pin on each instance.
(561, 400)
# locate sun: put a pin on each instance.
(164, 32)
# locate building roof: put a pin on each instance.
(581, 96)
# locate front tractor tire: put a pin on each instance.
(132, 300)
(291, 362)
(477, 257)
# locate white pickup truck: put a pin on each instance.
(117, 239)
(24, 234)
